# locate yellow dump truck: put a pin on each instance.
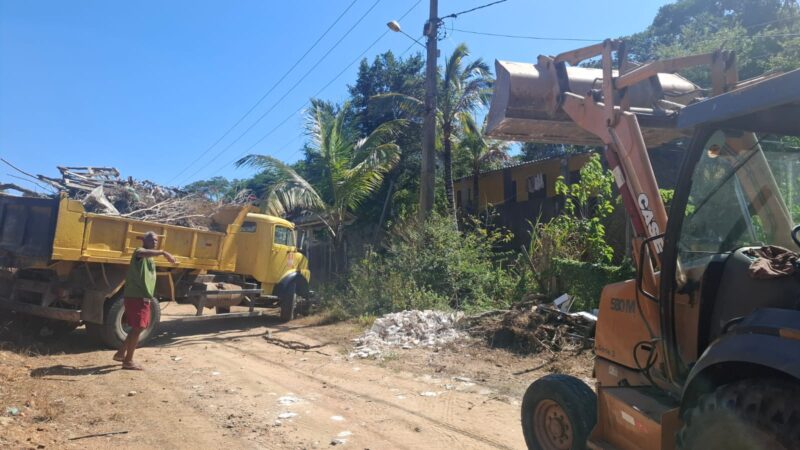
(65, 266)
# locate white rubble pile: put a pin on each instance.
(408, 329)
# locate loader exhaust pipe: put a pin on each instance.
(525, 103)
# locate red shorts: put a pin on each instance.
(137, 312)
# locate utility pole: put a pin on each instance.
(428, 173)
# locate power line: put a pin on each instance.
(286, 94)
(769, 22)
(767, 36)
(332, 80)
(454, 15)
(517, 36)
(409, 48)
(283, 77)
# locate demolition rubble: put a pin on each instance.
(408, 329)
(102, 190)
(528, 329)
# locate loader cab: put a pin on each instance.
(738, 191)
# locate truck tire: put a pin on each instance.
(114, 330)
(748, 414)
(288, 302)
(558, 413)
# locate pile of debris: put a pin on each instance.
(408, 329)
(103, 191)
(534, 329)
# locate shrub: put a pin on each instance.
(433, 266)
(585, 281)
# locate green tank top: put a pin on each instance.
(140, 282)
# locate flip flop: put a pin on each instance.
(132, 366)
(118, 358)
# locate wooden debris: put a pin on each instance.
(111, 433)
(20, 189)
(533, 330)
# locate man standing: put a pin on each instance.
(140, 285)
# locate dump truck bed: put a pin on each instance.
(46, 230)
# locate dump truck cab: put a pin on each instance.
(268, 251)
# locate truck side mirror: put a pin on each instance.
(301, 241)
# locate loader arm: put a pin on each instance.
(605, 111)
(618, 128)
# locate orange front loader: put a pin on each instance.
(702, 349)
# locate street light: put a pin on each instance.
(395, 26)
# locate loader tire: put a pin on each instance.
(558, 413)
(288, 302)
(114, 330)
(748, 414)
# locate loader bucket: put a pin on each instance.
(525, 104)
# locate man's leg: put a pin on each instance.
(120, 355)
(129, 347)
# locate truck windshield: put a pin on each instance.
(745, 191)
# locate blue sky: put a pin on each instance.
(148, 86)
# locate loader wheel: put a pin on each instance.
(288, 302)
(114, 329)
(558, 413)
(749, 414)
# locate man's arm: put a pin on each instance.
(147, 253)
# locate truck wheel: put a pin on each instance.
(114, 329)
(748, 414)
(558, 413)
(288, 302)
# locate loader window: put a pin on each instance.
(284, 236)
(248, 227)
(742, 194)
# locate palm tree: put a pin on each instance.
(462, 90)
(346, 169)
(479, 151)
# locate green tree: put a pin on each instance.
(348, 170)
(763, 33)
(464, 87)
(534, 151)
(214, 189)
(387, 73)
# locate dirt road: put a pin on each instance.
(223, 383)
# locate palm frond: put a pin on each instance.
(452, 66)
(408, 104)
(385, 132)
(291, 193)
(358, 182)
